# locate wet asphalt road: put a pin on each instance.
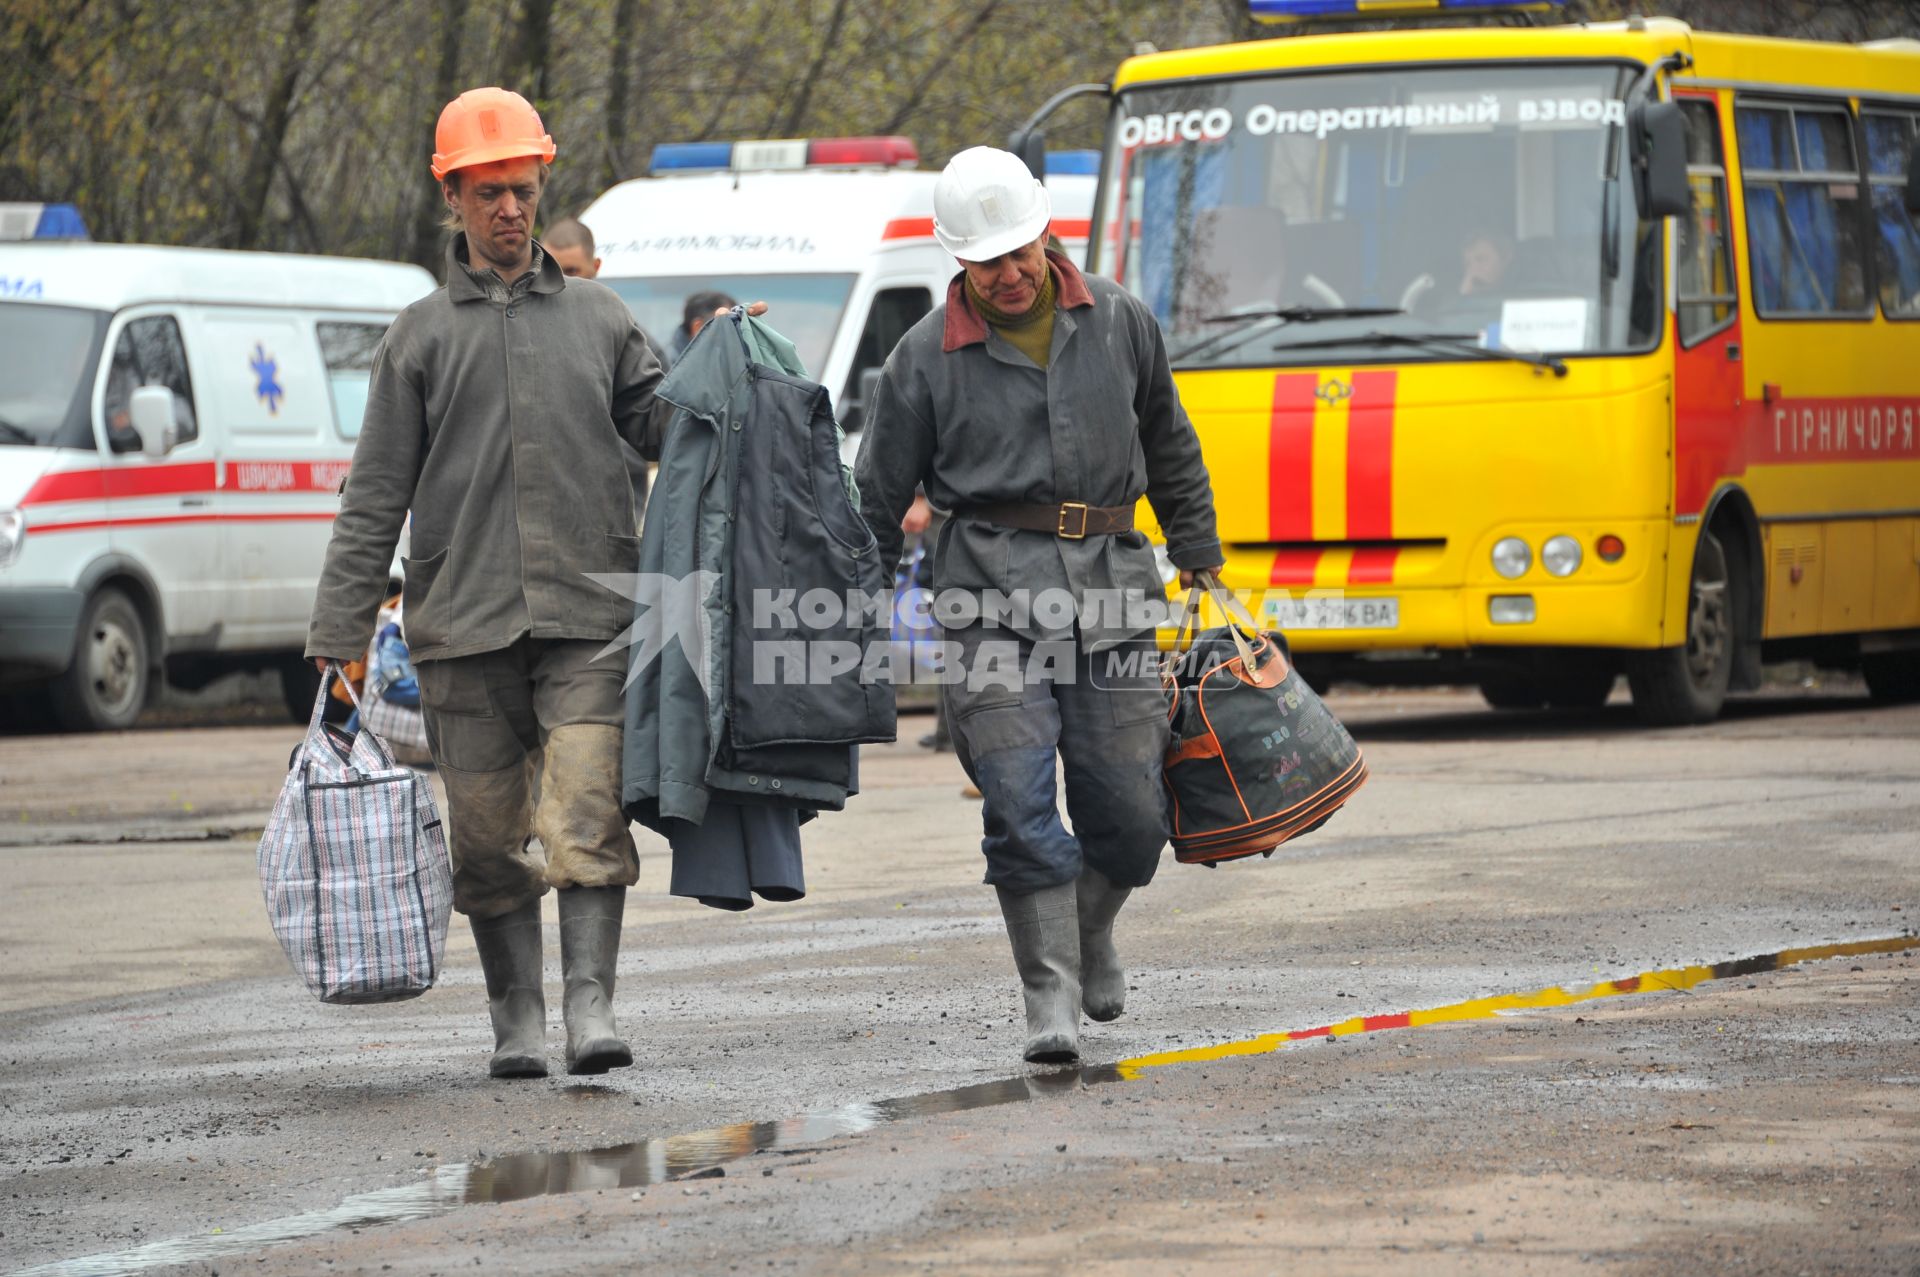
(166, 1076)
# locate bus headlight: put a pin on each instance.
(1560, 556)
(1511, 557)
(13, 530)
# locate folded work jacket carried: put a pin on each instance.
(732, 693)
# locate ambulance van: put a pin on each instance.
(835, 235)
(174, 428)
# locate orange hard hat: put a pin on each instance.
(484, 125)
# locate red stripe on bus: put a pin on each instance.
(1290, 458)
(1372, 565)
(1293, 567)
(1370, 456)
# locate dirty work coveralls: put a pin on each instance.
(495, 414)
(963, 412)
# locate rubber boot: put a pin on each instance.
(1045, 931)
(1103, 984)
(589, 946)
(510, 958)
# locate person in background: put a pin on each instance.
(571, 244)
(1484, 259)
(699, 308)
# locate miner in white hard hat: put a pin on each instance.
(1037, 406)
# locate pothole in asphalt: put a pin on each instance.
(703, 1154)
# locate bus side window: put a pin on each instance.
(894, 310)
(1802, 184)
(1890, 139)
(1705, 287)
(149, 353)
(348, 350)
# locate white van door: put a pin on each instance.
(284, 457)
(885, 310)
(162, 513)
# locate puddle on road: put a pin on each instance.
(518, 1176)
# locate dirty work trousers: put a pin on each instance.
(496, 721)
(1017, 707)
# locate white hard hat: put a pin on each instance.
(986, 203)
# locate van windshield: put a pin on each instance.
(805, 309)
(47, 358)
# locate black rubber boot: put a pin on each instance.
(589, 947)
(1103, 984)
(510, 958)
(1044, 928)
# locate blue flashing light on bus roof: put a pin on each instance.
(1073, 163)
(1321, 10)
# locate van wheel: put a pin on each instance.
(1893, 678)
(1677, 686)
(105, 687)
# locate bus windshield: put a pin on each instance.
(805, 309)
(47, 358)
(1382, 215)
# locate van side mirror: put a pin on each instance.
(863, 392)
(1031, 146)
(1657, 150)
(1913, 177)
(150, 411)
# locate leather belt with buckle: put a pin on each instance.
(1070, 520)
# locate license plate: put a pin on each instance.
(1332, 614)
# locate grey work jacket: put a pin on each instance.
(751, 512)
(495, 414)
(960, 410)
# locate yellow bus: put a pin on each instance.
(1533, 356)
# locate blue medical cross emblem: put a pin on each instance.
(266, 389)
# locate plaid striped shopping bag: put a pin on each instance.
(354, 868)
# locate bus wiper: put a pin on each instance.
(1465, 343)
(11, 431)
(1247, 324)
(1306, 314)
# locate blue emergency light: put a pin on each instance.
(41, 221)
(790, 153)
(1073, 163)
(1324, 10)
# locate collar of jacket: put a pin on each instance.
(463, 287)
(965, 327)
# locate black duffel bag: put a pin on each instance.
(1256, 757)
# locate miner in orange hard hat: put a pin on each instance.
(495, 414)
